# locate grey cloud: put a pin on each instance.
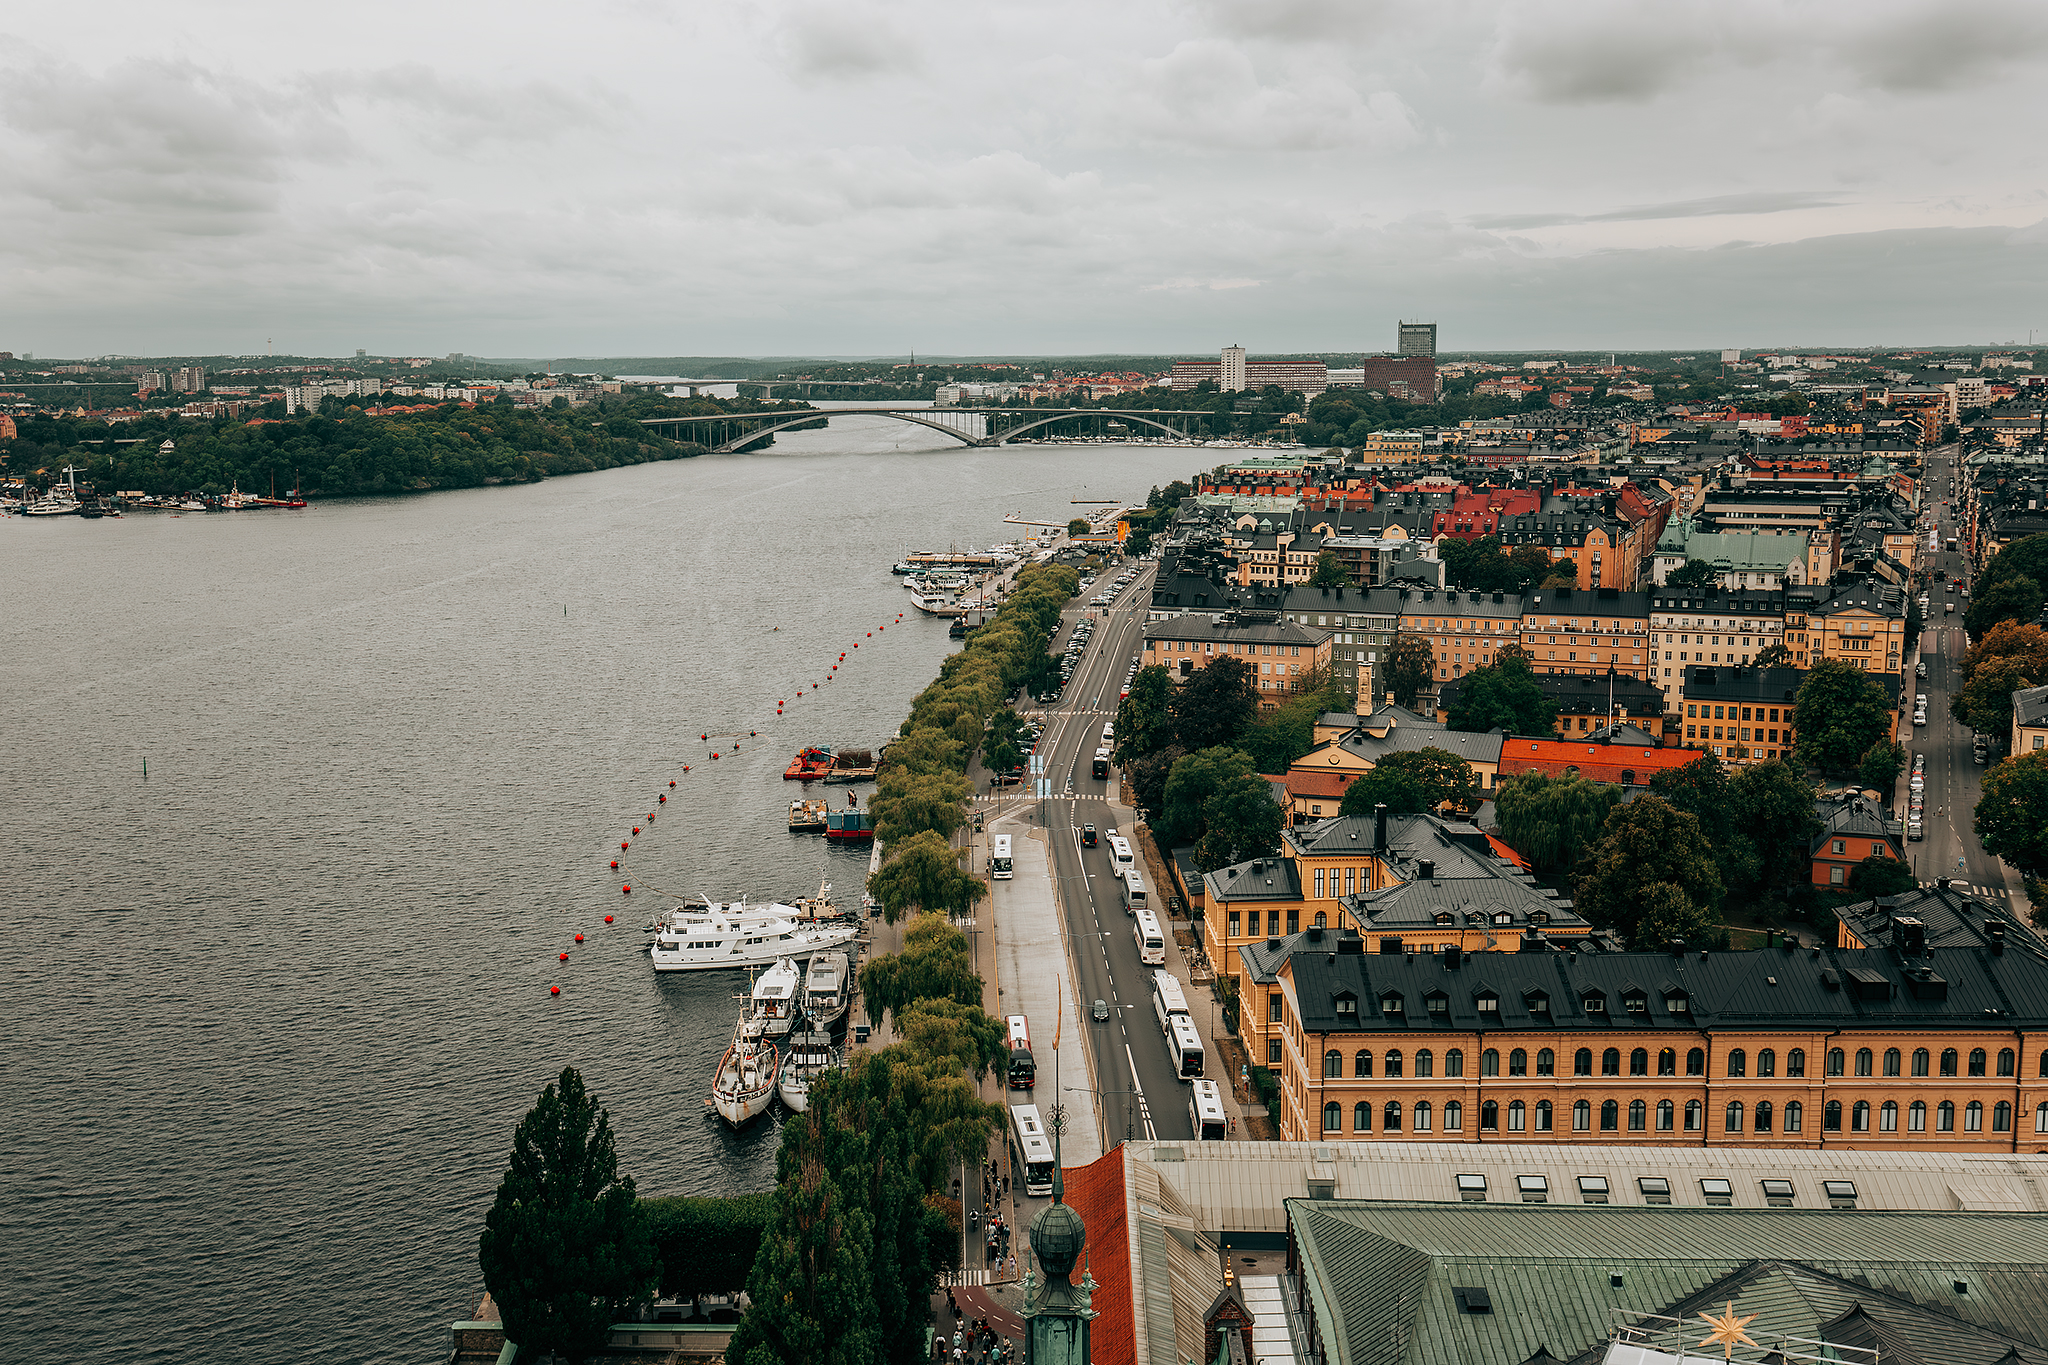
(1299, 20)
(1208, 96)
(1715, 206)
(449, 111)
(1948, 48)
(847, 42)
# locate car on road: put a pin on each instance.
(1101, 1010)
(1913, 834)
(1948, 609)
(1920, 669)
(1087, 836)
(1918, 783)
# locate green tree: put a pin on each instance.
(1647, 842)
(1839, 713)
(1668, 914)
(1882, 765)
(1144, 719)
(706, 1245)
(1532, 564)
(1148, 776)
(566, 1250)
(1700, 788)
(1078, 527)
(923, 873)
(1281, 735)
(1194, 779)
(1504, 695)
(2008, 640)
(1696, 573)
(2015, 599)
(907, 804)
(2012, 812)
(946, 1028)
(1213, 705)
(1774, 817)
(1774, 656)
(1984, 703)
(1413, 782)
(1328, 573)
(1879, 875)
(933, 965)
(1241, 820)
(1549, 820)
(2024, 558)
(1410, 667)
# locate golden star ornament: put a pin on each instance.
(1727, 1333)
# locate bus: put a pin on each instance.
(1023, 1069)
(999, 864)
(1120, 852)
(1168, 999)
(1205, 1112)
(1030, 1149)
(1101, 768)
(1151, 944)
(1185, 1043)
(1134, 894)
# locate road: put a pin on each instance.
(1953, 781)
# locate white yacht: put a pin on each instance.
(746, 1076)
(715, 942)
(810, 1055)
(777, 998)
(825, 991)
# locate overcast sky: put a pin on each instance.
(639, 177)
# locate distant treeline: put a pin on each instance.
(345, 453)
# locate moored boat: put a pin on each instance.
(718, 941)
(807, 817)
(810, 1056)
(825, 994)
(745, 1082)
(810, 763)
(850, 823)
(776, 998)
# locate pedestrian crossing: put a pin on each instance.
(1986, 892)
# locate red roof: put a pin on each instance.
(1097, 1193)
(1314, 784)
(1595, 762)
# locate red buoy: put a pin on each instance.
(753, 732)
(615, 862)
(627, 889)
(662, 800)
(607, 919)
(554, 990)
(622, 844)
(563, 957)
(636, 829)
(714, 754)
(672, 781)
(686, 767)
(579, 938)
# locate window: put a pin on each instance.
(1592, 1189)
(1863, 1060)
(1638, 1116)
(1489, 1117)
(1390, 1117)
(1595, 1006)
(1361, 1117)
(1333, 1064)
(1392, 1006)
(2041, 1117)
(1945, 1117)
(1777, 1193)
(1919, 1061)
(1656, 1189)
(2001, 1117)
(1361, 1065)
(1516, 1113)
(1518, 1063)
(1489, 1006)
(1535, 1189)
(1273, 1007)
(1438, 1004)
(1582, 1117)
(1841, 1193)
(1837, 1060)
(1761, 1122)
(1976, 1061)
(1767, 1063)
(2006, 1061)
(1665, 1112)
(1333, 1117)
(1471, 1188)
(1696, 1062)
(1610, 1062)
(1393, 1062)
(1859, 1117)
(1795, 1116)
(1795, 1062)
(1888, 1117)
(1717, 1191)
(1489, 1063)
(1973, 1117)
(1639, 1062)
(1454, 1063)
(1916, 1117)
(1831, 1117)
(1738, 1063)
(1731, 1121)
(1454, 1116)
(1948, 1061)
(1543, 1116)
(1610, 1116)
(1425, 1063)
(1582, 1062)
(1422, 1116)
(1667, 1062)
(1891, 1061)
(1272, 1052)
(1546, 1062)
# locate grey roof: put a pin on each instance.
(1855, 817)
(1235, 628)
(1719, 601)
(1589, 602)
(1411, 733)
(2030, 706)
(1460, 602)
(1261, 879)
(1721, 682)
(1865, 596)
(1949, 918)
(1580, 694)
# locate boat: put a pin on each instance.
(901, 568)
(850, 823)
(807, 817)
(936, 606)
(810, 763)
(745, 1082)
(852, 765)
(235, 500)
(825, 990)
(777, 997)
(720, 942)
(51, 507)
(819, 907)
(811, 1054)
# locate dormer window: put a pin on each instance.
(1443, 919)
(1593, 1004)
(1438, 1004)
(1677, 1004)
(1539, 917)
(1501, 917)
(1392, 1005)
(1346, 1006)
(1488, 1004)
(1635, 1002)
(1537, 1004)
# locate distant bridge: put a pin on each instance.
(727, 431)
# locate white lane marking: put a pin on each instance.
(1144, 1109)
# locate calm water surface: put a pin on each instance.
(273, 1012)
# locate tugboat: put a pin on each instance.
(808, 765)
(746, 1076)
(851, 823)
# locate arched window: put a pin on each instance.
(1543, 1116)
(1891, 1061)
(1517, 1115)
(1361, 1065)
(1692, 1116)
(1766, 1063)
(1546, 1062)
(1322, 921)
(1454, 1116)
(1831, 1117)
(1489, 1117)
(1837, 1061)
(1795, 1062)
(1696, 1062)
(1361, 1117)
(1888, 1117)
(1333, 1063)
(1664, 1116)
(1667, 1062)
(1738, 1063)
(2006, 1061)
(1422, 1116)
(1454, 1065)
(1916, 1117)
(1582, 1117)
(1425, 1062)
(2041, 1117)
(2044, 1064)
(1731, 1122)
(1945, 1117)
(1610, 1116)
(1610, 1062)
(1863, 1061)
(1638, 1116)
(1582, 1062)
(1973, 1117)
(1919, 1061)
(1489, 1063)
(1795, 1116)
(2001, 1117)
(1761, 1121)
(1391, 1063)
(1639, 1062)
(1518, 1063)
(1333, 1117)
(1859, 1117)
(1948, 1061)
(1390, 1117)
(1976, 1061)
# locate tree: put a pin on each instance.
(923, 872)
(706, 1245)
(1839, 713)
(1078, 527)
(1281, 735)
(1413, 782)
(2016, 599)
(907, 804)
(1504, 695)
(1194, 779)
(2012, 813)
(1410, 667)
(1775, 819)
(1700, 788)
(933, 965)
(566, 1250)
(1984, 703)
(1774, 656)
(1646, 842)
(1213, 704)
(1148, 775)
(2008, 640)
(2025, 558)
(1328, 573)
(1551, 820)
(1240, 821)
(1882, 765)
(1144, 719)
(1879, 875)
(1696, 573)
(1668, 915)
(1532, 565)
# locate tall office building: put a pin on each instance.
(1418, 338)
(191, 379)
(1230, 374)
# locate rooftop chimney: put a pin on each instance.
(1426, 870)
(1379, 828)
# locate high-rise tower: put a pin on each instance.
(1417, 338)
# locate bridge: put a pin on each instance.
(729, 431)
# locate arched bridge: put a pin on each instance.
(728, 431)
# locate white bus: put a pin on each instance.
(1185, 1043)
(1168, 999)
(1030, 1149)
(1134, 895)
(1206, 1113)
(999, 864)
(1151, 944)
(1023, 1072)
(1120, 852)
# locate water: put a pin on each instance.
(274, 1011)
